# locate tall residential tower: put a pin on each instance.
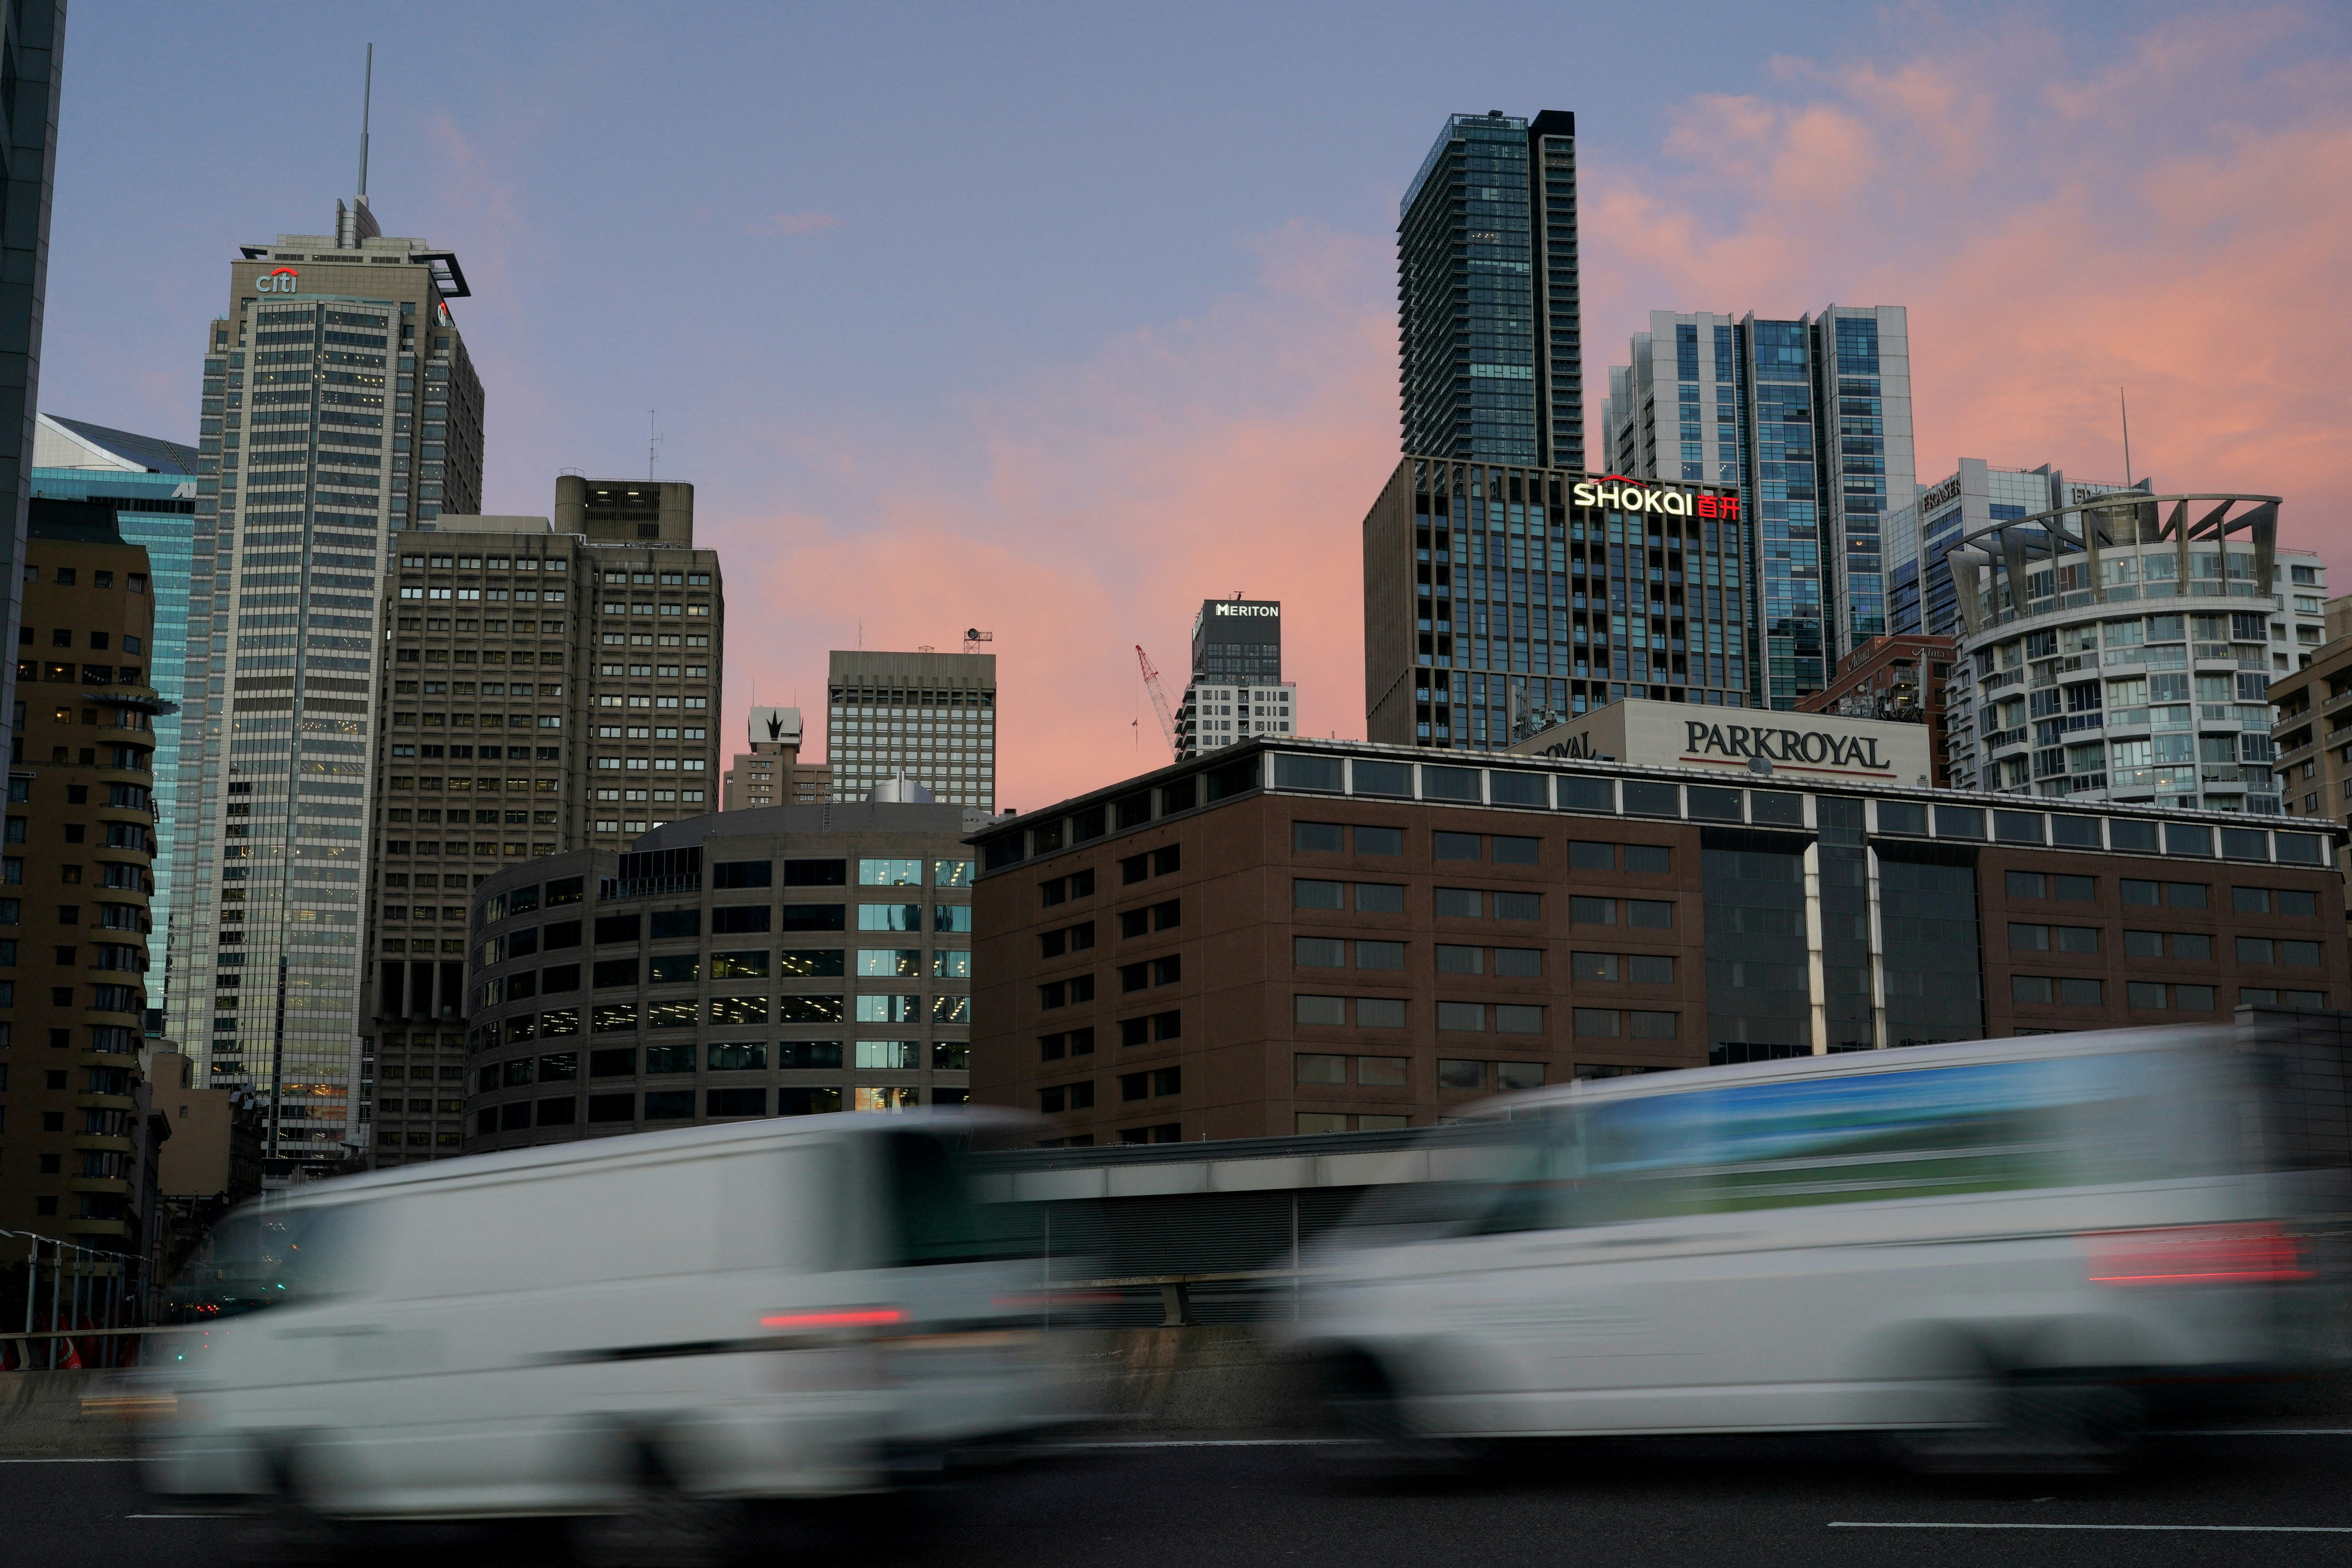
(150, 484)
(1811, 419)
(1491, 361)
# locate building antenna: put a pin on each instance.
(653, 442)
(367, 102)
(2123, 404)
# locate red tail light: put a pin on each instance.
(2194, 1255)
(836, 1318)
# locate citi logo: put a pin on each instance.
(277, 281)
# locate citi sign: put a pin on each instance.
(1631, 495)
(277, 280)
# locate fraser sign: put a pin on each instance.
(1631, 495)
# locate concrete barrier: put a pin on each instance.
(1217, 1378)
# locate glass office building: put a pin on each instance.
(151, 483)
(340, 408)
(1490, 355)
(1811, 419)
(1498, 600)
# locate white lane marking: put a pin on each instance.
(124, 1460)
(2204, 1528)
(2267, 1432)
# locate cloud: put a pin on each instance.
(2170, 220)
(1238, 449)
(796, 223)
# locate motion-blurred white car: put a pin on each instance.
(625, 1328)
(2012, 1249)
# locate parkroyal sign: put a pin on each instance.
(277, 280)
(1617, 491)
(1799, 745)
(1782, 745)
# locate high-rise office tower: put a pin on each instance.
(150, 484)
(32, 53)
(1811, 418)
(340, 410)
(553, 686)
(1496, 600)
(929, 716)
(1920, 596)
(771, 772)
(1491, 358)
(1236, 690)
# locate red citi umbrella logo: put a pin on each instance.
(277, 281)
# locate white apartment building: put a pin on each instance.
(2121, 648)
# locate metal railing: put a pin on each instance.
(93, 1295)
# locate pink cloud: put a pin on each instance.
(1236, 449)
(796, 223)
(2172, 219)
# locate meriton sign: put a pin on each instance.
(1631, 495)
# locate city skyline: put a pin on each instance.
(1261, 348)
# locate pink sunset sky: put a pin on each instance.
(1132, 352)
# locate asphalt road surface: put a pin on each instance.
(2273, 1498)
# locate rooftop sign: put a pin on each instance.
(1615, 491)
(1676, 734)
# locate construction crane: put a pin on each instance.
(1159, 697)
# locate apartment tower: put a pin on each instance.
(1811, 419)
(1490, 357)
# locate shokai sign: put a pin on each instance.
(1631, 495)
(277, 280)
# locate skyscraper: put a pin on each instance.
(1811, 418)
(1920, 597)
(32, 50)
(150, 485)
(1491, 359)
(552, 688)
(930, 716)
(1236, 689)
(340, 408)
(1497, 599)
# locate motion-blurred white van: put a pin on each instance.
(624, 1327)
(2012, 1249)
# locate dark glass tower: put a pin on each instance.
(1491, 359)
(30, 57)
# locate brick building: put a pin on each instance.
(1899, 678)
(1332, 936)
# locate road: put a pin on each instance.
(2242, 1500)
